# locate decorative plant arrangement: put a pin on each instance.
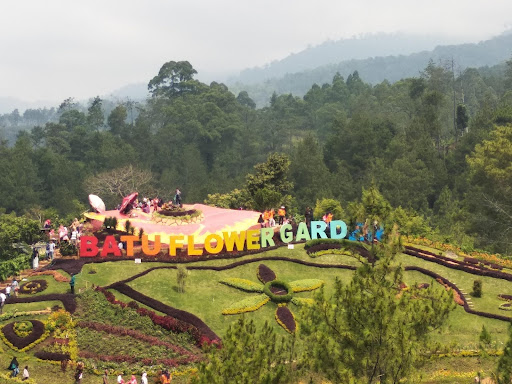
(34, 286)
(175, 215)
(271, 289)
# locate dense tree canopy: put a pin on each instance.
(404, 138)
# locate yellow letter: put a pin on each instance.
(173, 245)
(191, 251)
(252, 239)
(233, 238)
(208, 245)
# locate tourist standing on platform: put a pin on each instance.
(281, 213)
(177, 197)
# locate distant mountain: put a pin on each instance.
(9, 104)
(332, 52)
(135, 91)
(377, 69)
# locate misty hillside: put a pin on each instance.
(332, 52)
(379, 68)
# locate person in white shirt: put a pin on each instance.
(8, 291)
(14, 287)
(2, 301)
(25, 373)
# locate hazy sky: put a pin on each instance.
(55, 49)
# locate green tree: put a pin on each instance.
(95, 117)
(270, 183)
(249, 355)
(365, 331)
(504, 369)
(173, 79)
(491, 183)
(328, 205)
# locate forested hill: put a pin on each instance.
(374, 69)
(450, 177)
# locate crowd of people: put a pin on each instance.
(148, 205)
(268, 218)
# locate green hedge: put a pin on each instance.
(346, 243)
(13, 266)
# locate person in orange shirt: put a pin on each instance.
(271, 221)
(281, 212)
(328, 219)
(266, 217)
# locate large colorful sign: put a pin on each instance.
(214, 243)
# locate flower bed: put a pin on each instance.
(202, 334)
(249, 304)
(494, 258)
(454, 264)
(242, 284)
(59, 277)
(177, 216)
(506, 306)
(265, 274)
(67, 299)
(306, 285)
(278, 291)
(34, 286)
(52, 356)
(23, 328)
(505, 297)
(123, 331)
(286, 319)
(22, 344)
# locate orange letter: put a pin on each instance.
(145, 246)
(88, 246)
(129, 243)
(110, 246)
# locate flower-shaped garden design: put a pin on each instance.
(34, 286)
(272, 289)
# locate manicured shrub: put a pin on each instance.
(477, 288)
(68, 249)
(242, 284)
(278, 291)
(250, 304)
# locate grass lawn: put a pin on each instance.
(206, 298)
